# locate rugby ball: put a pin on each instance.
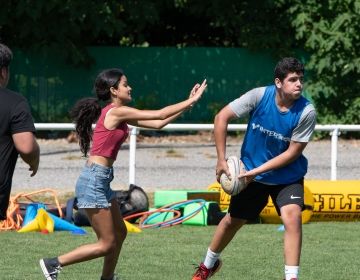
(233, 185)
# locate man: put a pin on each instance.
(281, 122)
(16, 132)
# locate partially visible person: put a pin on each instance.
(93, 190)
(281, 122)
(16, 132)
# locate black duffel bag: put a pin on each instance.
(131, 201)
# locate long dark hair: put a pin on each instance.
(87, 110)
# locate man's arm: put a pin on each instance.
(294, 150)
(220, 133)
(28, 148)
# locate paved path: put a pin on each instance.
(169, 165)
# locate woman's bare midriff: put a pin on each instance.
(101, 160)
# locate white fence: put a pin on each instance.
(333, 129)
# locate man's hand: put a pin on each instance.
(222, 167)
(248, 176)
(26, 145)
(34, 166)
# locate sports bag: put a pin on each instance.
(131, 201)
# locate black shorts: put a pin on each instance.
(251, 201)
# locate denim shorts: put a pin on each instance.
(93, 186)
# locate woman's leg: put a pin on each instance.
(103, 225)
(120, 233)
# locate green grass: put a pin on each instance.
(330, 252)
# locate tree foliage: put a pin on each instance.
(329, 32)
(68, 27)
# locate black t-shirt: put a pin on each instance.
(15, 117)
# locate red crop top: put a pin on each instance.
(107, 142)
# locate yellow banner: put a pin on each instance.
(325, 200)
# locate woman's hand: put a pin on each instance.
(197, 92)
(194, 89)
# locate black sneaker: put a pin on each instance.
(50, 268)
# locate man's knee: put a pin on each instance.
(291, 215)
(231, 223)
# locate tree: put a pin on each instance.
(68, 27)
(330, 33)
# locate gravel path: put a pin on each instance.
(173, 165)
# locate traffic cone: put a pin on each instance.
(42, 221)
(60, 224)
(31, 212)
(131, 228)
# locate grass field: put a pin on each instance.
(330, 252)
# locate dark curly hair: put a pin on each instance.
(5, 56)
(288, 65)
(87, 110)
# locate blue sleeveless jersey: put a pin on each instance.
(268, 134)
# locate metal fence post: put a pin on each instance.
(334, 141)
(132, 155)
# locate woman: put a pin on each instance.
(93, 190)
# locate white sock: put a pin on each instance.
(211, 258)
(291, 272)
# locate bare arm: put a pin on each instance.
(220, 133)
(153, 118)
(157, 124)
(28, 148)
(294, 150)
